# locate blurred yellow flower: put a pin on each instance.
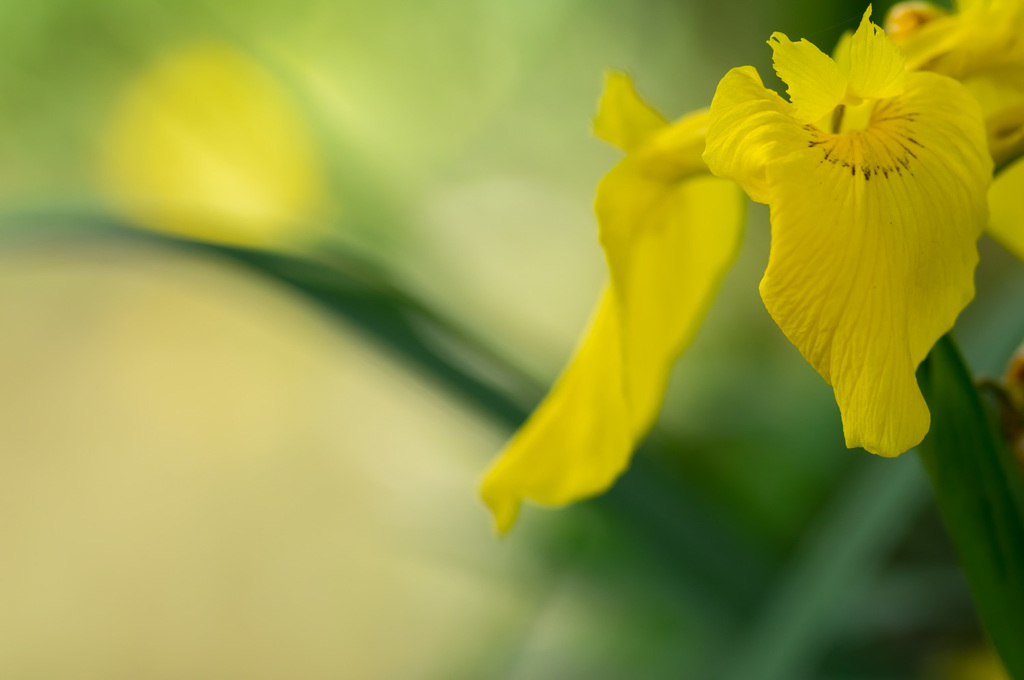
(876, 179)
(980, 45)
(670, 230)
(207, 145)
(979, 40)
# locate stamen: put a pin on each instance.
(837, 118)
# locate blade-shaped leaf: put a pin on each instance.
(980, 492)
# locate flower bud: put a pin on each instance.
(906, 18)
(1012, 409)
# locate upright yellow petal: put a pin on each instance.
(876, 63)
(207, 145)
(670, 231)
(816, 85)
(579, 440)
(841, 52)
(873, 252)
(623, 118)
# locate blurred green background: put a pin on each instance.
(220, 462)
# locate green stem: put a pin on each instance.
(980, 494)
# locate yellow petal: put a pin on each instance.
(670, 232)
(207, 145)
(876, 63)
(668, 242)
(1006, 221)
(1006, 134)
(816, 85)
(578, 441)
(623, 118)
(962, 6)
(873, 251)
(999, 91)
(749, 127)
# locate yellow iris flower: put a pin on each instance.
(877, 179)
(670, 230)
(980, 45)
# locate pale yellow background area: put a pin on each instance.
(201, 475)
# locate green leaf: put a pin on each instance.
(822, 585)
(980, 492)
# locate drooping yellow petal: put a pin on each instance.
(670, 231)
(873, 252)
(1006, 219)
(668, 240)
(750, 127)
(816, 85)
(623, 118)
(876, 63)
(874, 225)
(207, 145)
(579, 440)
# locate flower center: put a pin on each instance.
(873, 139)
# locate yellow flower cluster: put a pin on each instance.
(877, 173)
